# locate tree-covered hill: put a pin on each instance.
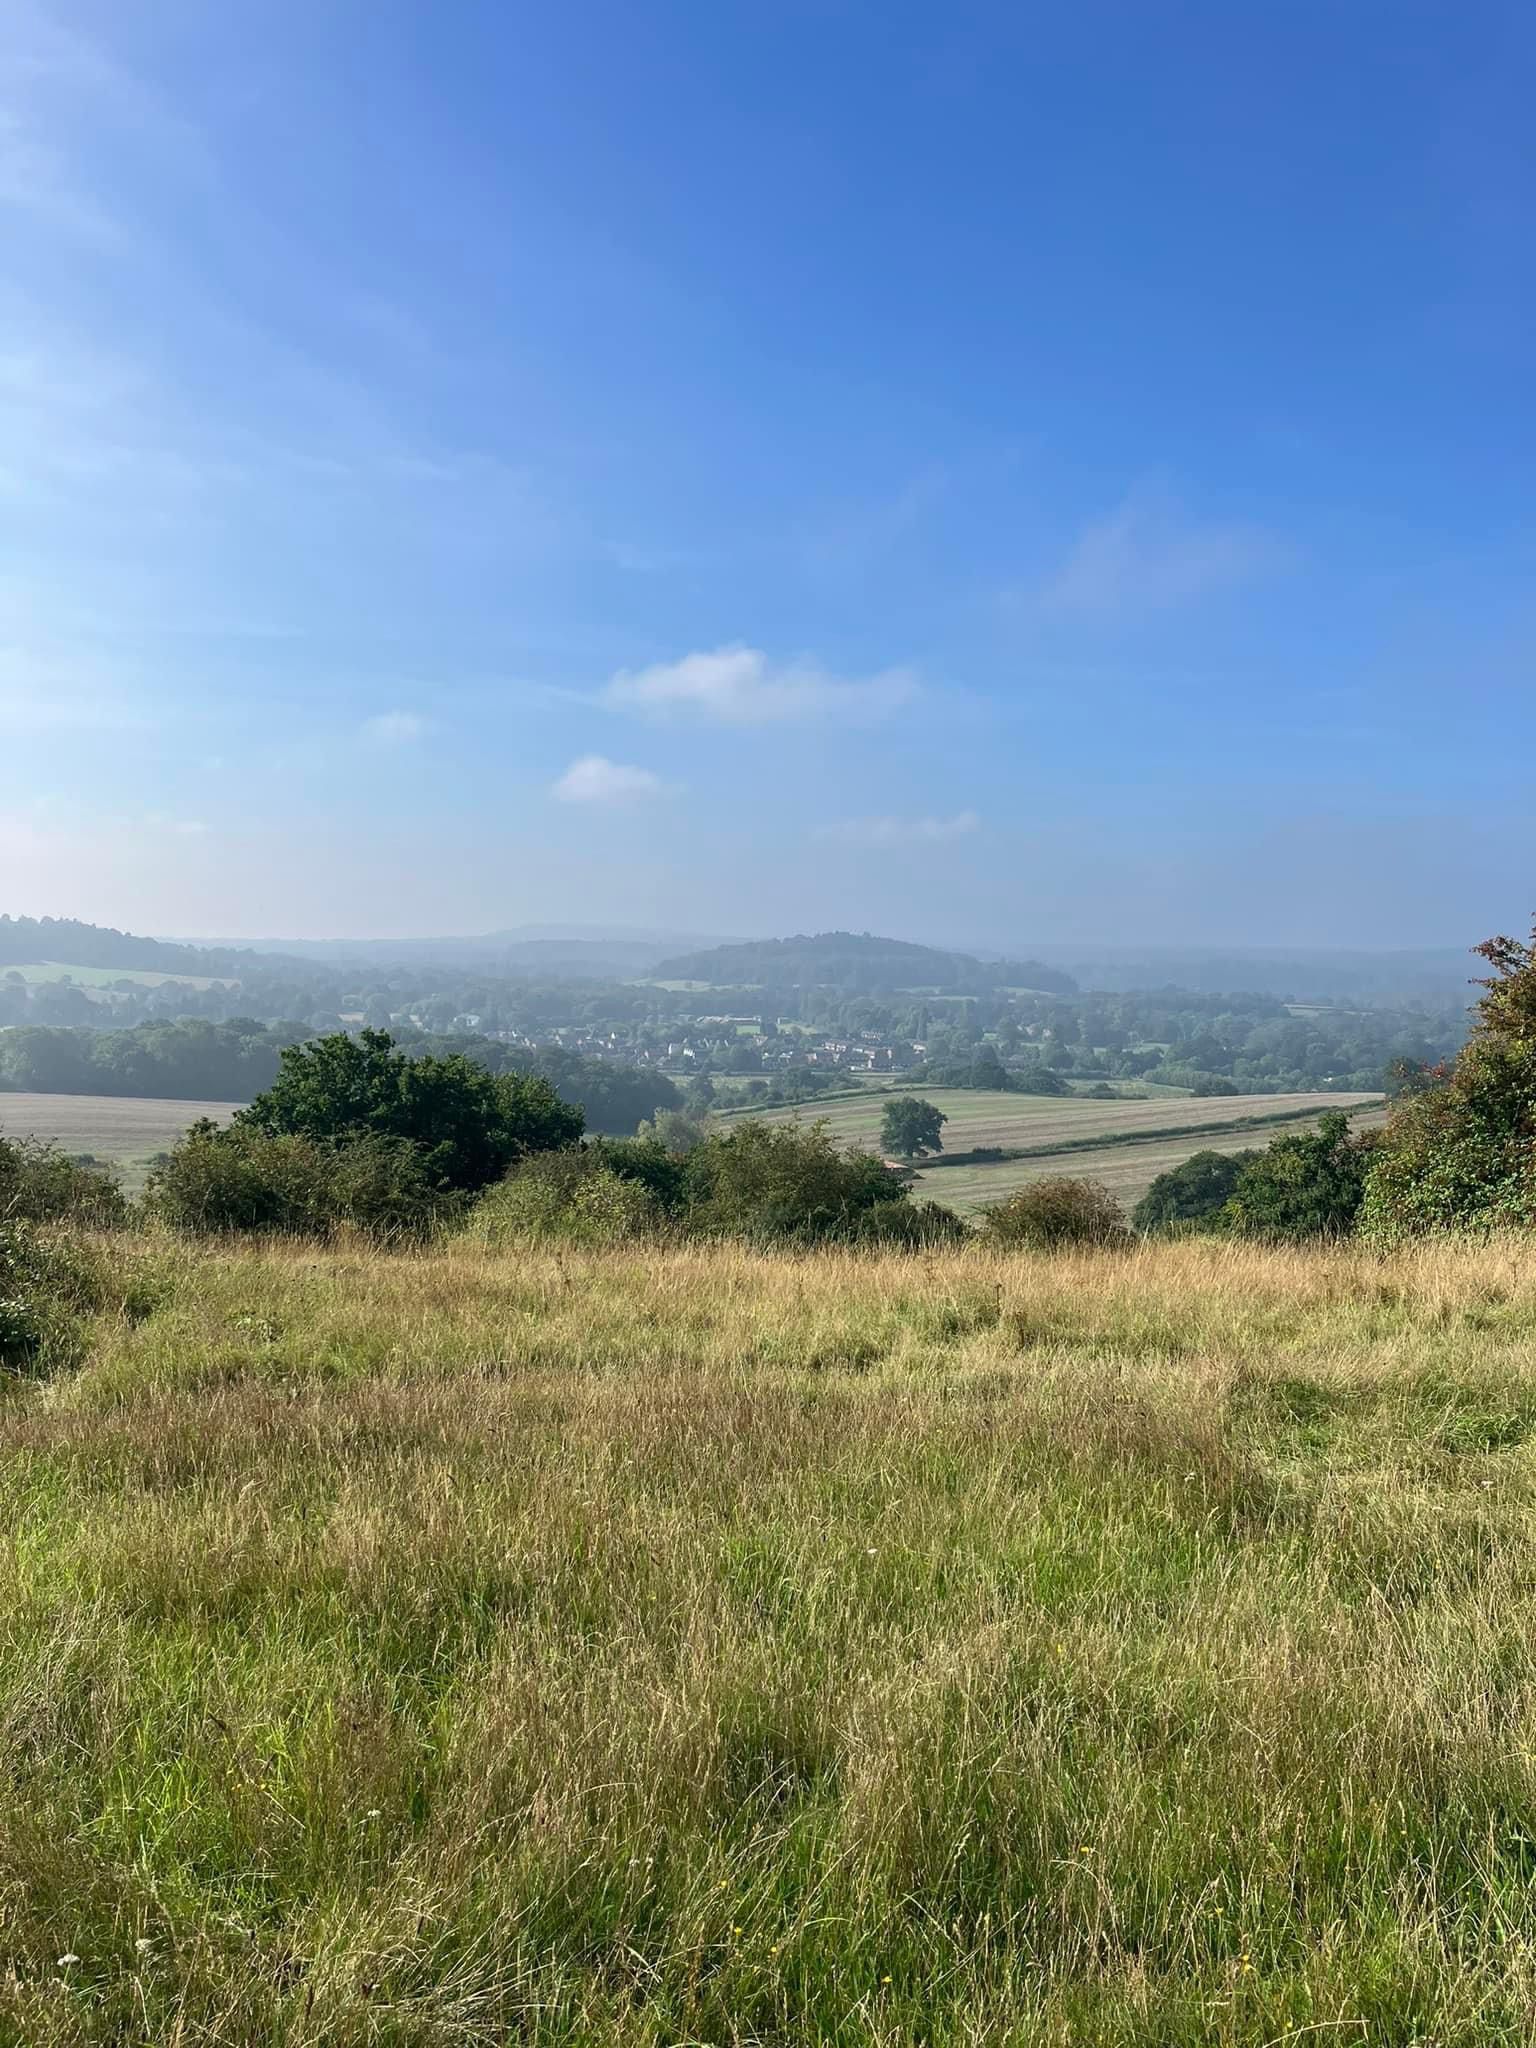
(28, 940)
(858, 963)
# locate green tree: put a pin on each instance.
(1309, 1184)
(1460, 1153)
(910, 1127)
(987, 1070)
(470, 1126)
(1194, 1191)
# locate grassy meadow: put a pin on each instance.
(698, 1646)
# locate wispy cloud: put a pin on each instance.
(596, 780)
(395, 728)
(1148, 554)
(738, 685)
(900, 831)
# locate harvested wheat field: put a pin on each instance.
(695, 1646)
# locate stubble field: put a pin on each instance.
(1054, 1124)
(126, 1129)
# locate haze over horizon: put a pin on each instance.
(994, 480)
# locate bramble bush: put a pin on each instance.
(244, 1179)
(1058, 1211)
(50, 1283)
(40, 1184)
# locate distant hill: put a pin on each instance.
(858, 964)
(536, 951)
(1336, 974)
(67, 942)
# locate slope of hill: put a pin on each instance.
(65, 941)
(697, 1645)
(858, 963)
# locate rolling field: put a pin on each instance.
(979, 1117)
(127, 1129)
(701, 1647)
(1126, 1170)
(42, 971)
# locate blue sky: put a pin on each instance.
(988, 473)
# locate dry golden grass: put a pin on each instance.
(703, 1646)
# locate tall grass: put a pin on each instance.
(699, 1646)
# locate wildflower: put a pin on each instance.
(885, 1980)
(735, 1930)
(67, 1958)
(143, 1944)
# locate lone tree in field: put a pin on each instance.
(911, 1127)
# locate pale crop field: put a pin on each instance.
(43, 971)
(1126, 1170)
(979, 1116)
(698, 1647)
(127, 1129)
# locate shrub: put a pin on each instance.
(908, 1226)
(40, 1184)
(1309, 1184)
(783, 1183)
(243, 1178)
(1195, 1191)
(660, 1169)
(1460, 1150)
(1056, 1212)
(48, 1285)
(674, 1130)
(574, 1196)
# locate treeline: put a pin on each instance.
(194, 1060)
(28, 940)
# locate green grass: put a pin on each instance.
(702, 1647)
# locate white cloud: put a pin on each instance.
(595, 780)
(1146, 555)
(901, 831)
(741, 686)
(394, 728)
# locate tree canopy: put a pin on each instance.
(469, 1125)
(1460, 1150)
(910, 1127)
